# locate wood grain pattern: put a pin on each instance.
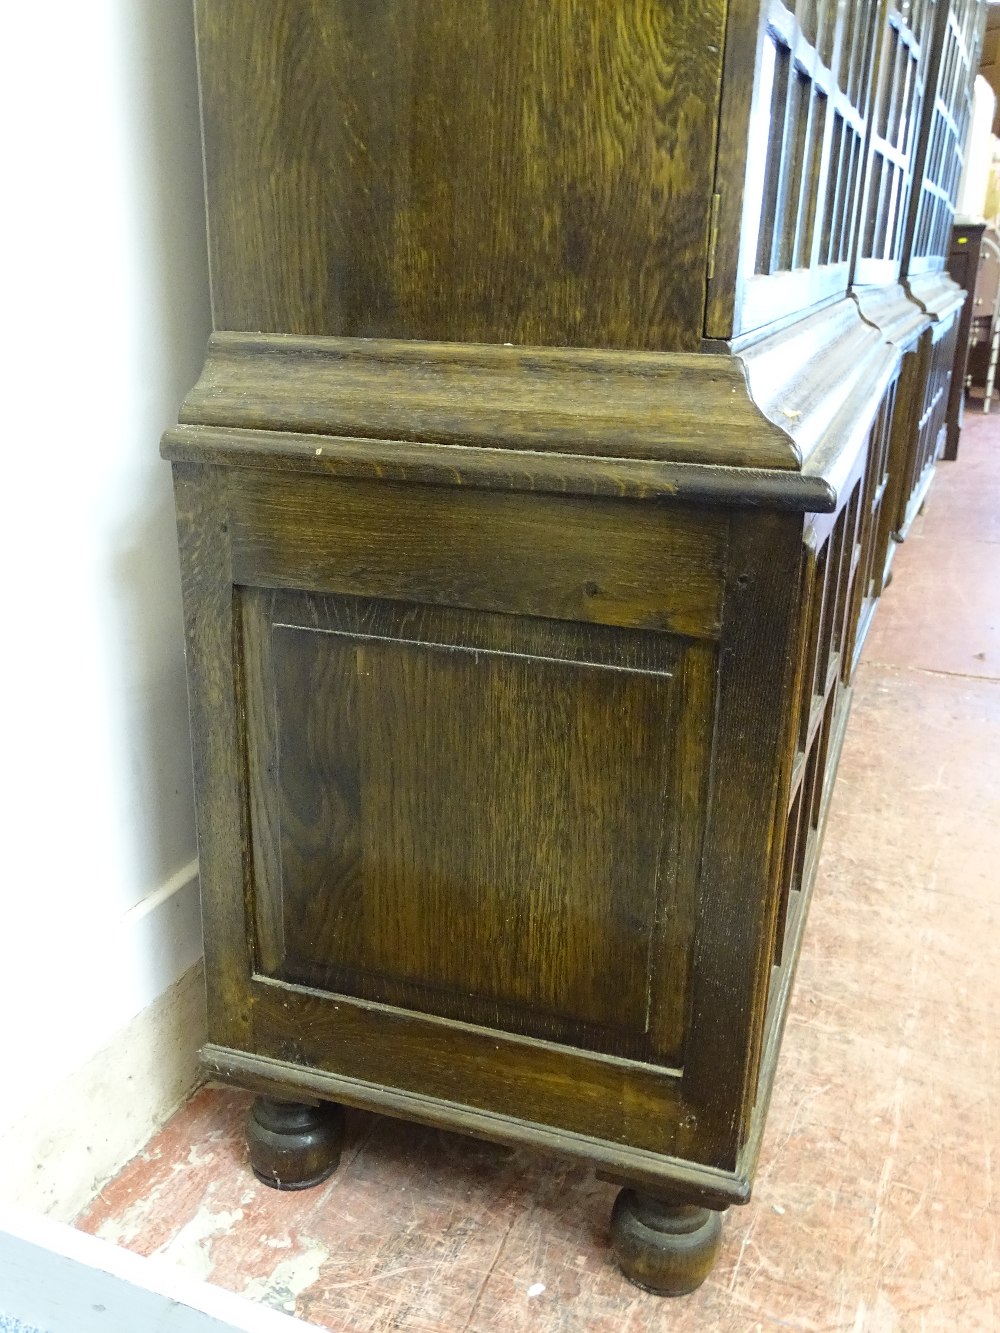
(598, 562)
(738, 899)
(498, 470)
(584, 1092)
(475, 170)
(217, 743)
(509, 804)
(672, 406)
(615, 1161)
(514, 787)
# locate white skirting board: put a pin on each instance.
(64, 1147)
(59, 1280)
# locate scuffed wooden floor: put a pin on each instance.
(876, 1206)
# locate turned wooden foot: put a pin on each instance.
(293, 1146)
(664, 1246)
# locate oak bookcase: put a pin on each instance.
(577, 364)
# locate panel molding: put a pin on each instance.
(320, 832)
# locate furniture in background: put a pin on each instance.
(984, 324)
(963, 267)
(533, 504)
(991, 252)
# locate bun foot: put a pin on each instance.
(663, 1246)
(292, 1146)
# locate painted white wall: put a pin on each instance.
(978, 152)
(104, 321)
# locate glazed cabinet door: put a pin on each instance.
(893, 133)
(952, 64)
(795, 106)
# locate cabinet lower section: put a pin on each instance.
(510, 799)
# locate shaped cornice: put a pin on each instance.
(679, 407)
(716, 427)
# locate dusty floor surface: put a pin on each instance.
(877, 1203)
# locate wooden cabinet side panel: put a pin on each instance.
(716, 944)
(564, 558)
(738, 894)
(214, 695)
(465, 170)
(474, 814)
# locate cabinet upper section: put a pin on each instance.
(791, 157)
(626, 174)
(523, 171)
(940, 154)
(900, 71)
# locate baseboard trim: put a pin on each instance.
(83, 1129)
(63, 1280)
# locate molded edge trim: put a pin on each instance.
(691, 407)
(700, 1184)
(937, 293)
(894, 312)
(822, 418)
(499, 469)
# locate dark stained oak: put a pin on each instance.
(521, 618)
(564, 558)
(552, 758)
(485, 468)
(522, 171)
(293, 1146)
(559, 400)
(655, 1170)
(664, 1245)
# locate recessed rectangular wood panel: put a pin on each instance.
(509, 807)
(476, 816)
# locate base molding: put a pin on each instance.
(282, 1080)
